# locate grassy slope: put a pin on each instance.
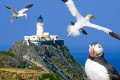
(2, 53)
(26, 74)
(11, 60)
(8, 72)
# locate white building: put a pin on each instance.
(40, 34)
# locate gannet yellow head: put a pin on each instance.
(25, 15)
(90, 16)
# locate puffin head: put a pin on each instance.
(90, 16)
(95, 50)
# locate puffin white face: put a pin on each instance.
(90, 16)
(95, 50)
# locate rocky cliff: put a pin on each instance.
(51, 58)
(10, 60)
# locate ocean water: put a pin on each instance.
(112, 58)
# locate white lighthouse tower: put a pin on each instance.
(42, 37)
(40, 25)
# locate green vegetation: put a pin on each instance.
(8, 54)
(35, 68)
(8, 60)
(26, 74)
(50, 77)
(67, 63)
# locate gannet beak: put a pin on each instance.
(26, 17)
(93, 17)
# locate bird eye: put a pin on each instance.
(99, 46)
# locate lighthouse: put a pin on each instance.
(40, 26)
(42, 37)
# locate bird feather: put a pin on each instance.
(12, 19)
(98, 27)
(70, 4)
(14, 12)
(25, 9)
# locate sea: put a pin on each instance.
(112, 58)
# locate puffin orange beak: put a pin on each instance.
(92, 52)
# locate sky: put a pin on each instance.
(56, 19)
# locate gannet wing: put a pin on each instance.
(72, 8)
(25, 9)
(110, 32)
(14, 12)
(12, 19)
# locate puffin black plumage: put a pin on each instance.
(96, 67)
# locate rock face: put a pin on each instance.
(10, 60)
(52, 58)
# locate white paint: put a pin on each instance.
(40, 29)
(28, 42)
(34, 38)
(31, 37)
(46, 33)
(54, 37)
(26, 37)
(96, 71)
(37, 43)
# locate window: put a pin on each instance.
(42, 37)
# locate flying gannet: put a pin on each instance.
(20, 13)
(82, 22)
(97, 68)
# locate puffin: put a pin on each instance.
(96, 67)
(73, 29)
(20, 13)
